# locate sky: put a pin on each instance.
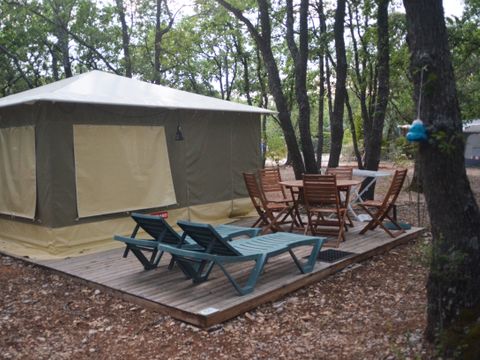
(453, 7)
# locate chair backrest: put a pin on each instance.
(254, 191)
(342, 173)
(320, 190)
(270, 180)
(157, 228)
(208, 238)
(395, 187)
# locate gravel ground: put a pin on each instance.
(372, 310)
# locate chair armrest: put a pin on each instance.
(311, 241)
(200, 255)
(229, 231)
(137, 242)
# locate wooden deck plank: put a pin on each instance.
(171, 293)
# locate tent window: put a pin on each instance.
(18, 187)
(121, 168)
(472, 147)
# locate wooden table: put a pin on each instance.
(342, 185)
(373, 175)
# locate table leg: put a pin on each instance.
(358, 196)
(296, 213)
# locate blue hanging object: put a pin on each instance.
(417, 132)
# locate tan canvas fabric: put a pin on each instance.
(472, 146)
(121, 168)
(18, 189)
(40, 242)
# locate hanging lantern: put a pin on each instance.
(417, 132)
(179, 134)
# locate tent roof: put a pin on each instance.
(472, 126)
(98, 87)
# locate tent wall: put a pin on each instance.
(206, 167)
(41, 242)
(110, 159)
(18, 181)
(472, 148)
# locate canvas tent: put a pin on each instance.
(471, 132)
(77, 155)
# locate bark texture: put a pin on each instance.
(125, 38)
(322, 79)
(373, 137)
(300, 57)
(263, 41)
(454, 281)
(159, 34)
(336, 123)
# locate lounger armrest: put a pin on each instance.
(230, 231)
(200, 255)
(137, 242)
(311, 241)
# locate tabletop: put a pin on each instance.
(299, 183)
(370, 173)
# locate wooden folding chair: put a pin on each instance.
(382, 208)
(271, 214)
(270, 181)
(342, 173)
(321, 198)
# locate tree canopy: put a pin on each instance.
(286, 55)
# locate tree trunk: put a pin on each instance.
(125, 38)
(321, 93)
(358, 156)
(361, 86)
(264, 104)
(453, 286)
(336, 123)
(321, 111)
(300, 57)
(243, 57)
(263, 42)
(158, 43)
(373, 143)
(53, 52)
(329, 88)
(159, 33)
(63, 14)
(63, 46)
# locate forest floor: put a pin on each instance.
(373, 310)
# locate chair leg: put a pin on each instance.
(310, 225)
(252, 278)
(156, 257)
(273, 223)
(393, 220)
(312, 258)
(371, 224)
(197, 271)
(377, 220)
(341, 230)
(350, 222)
(259, 220)
(145, 262)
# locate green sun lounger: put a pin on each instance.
(162, 232)
(214, 249)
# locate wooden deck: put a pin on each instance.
(216, 300)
